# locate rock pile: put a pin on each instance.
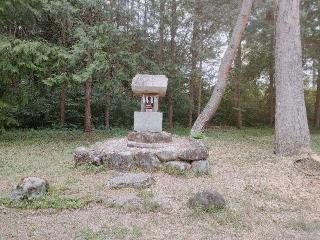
(147, 151)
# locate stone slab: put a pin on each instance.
(148, 121)
(149, 84)
(150, 137)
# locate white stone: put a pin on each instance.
(149, 84)
(148, 121)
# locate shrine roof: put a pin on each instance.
(149, 84)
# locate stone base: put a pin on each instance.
(148, 122)
(149, 137)
(124, 155)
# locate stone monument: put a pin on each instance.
(147, 147)
(149, 88)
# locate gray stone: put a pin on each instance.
(150, 137)
(201, 166)
(29, 188)
(167, 154)
(149, 84)
(122, 161)
(147, 161)
(148, 121)
(207, 200)
(81, 156)
(178, 165)
(127, 201)
(194, 152)
(135, 180)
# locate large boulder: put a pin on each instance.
(147, 161)
(194, 151)
(30, 188)
(135, 180)
(177, 165)
(207, 200)
(150, 137)
(200, 167)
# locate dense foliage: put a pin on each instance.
(50, 48)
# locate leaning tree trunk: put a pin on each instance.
(291, 124)
(237, 90)
(87, 106)
(317, 105)
(224, 69)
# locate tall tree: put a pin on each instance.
(291, 125)
(237, 89)
(224, 69)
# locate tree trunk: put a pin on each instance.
(87, 106)
(291, 124)
(62, 102)
(173, 33)
(317, 105)
(224, 69)
(161, 31)
(237, 90)
(194, 60)
(107, 111)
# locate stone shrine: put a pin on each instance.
(149, 88)
(147, 147)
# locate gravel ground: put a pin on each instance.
(268, 197)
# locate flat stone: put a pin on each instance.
(178, 165)
(147, 161)
(122, 161)
(29, 188)
(144, 145)
(207, 200)
(150, 137)
(135, 180)
(194, 152)
(167, 154)
(201, 166)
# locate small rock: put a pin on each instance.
(30, 188)
(207, 200)
(167, 154)
(201, 166)
(147, 161)
(178, 165)
(122, 161)
(135, 180)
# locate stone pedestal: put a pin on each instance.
(148, 121)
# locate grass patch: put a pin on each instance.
(92, 169)
(301, 225)
(148, 201)
(223, 217)
(51, 200)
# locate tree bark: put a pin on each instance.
(291, 124)
(237, 90)
(224, 69)
(161, 31)
(317, 105)
(62, 102)
(107, 111)
(87, 106)
(173, 33)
